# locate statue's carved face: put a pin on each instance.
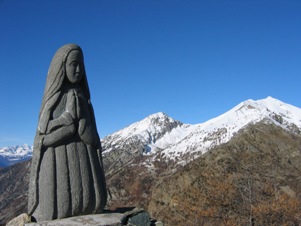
(74, 66)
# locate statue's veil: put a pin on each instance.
(56, 75)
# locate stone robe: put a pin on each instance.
(69, 173)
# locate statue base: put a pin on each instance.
(135, 216)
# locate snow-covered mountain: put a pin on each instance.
(160, 134)
(12, 155)
(148, 132)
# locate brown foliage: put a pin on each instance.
(281, 209)
(240, 183)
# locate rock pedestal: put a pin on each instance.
(135, 217)
(19, 220)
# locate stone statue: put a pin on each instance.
(67, 177)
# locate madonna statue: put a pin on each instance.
(67, 177)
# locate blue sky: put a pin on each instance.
(192, 59)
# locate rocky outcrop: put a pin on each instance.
(20, 220)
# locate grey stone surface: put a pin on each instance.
(135, 217)
(105, 219)
(67, 177)
(140, 219)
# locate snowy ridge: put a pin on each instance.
(201, 137)
(14, 154)
(181, 139)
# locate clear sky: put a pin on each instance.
(191, 59)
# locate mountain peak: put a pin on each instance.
(147, 130)
(151, 124)
(159, 119)
(158, 115)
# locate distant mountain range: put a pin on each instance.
(12, 155)
(242, 167)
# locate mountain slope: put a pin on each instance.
(254, 179)
(140, 138)
(13, 190)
